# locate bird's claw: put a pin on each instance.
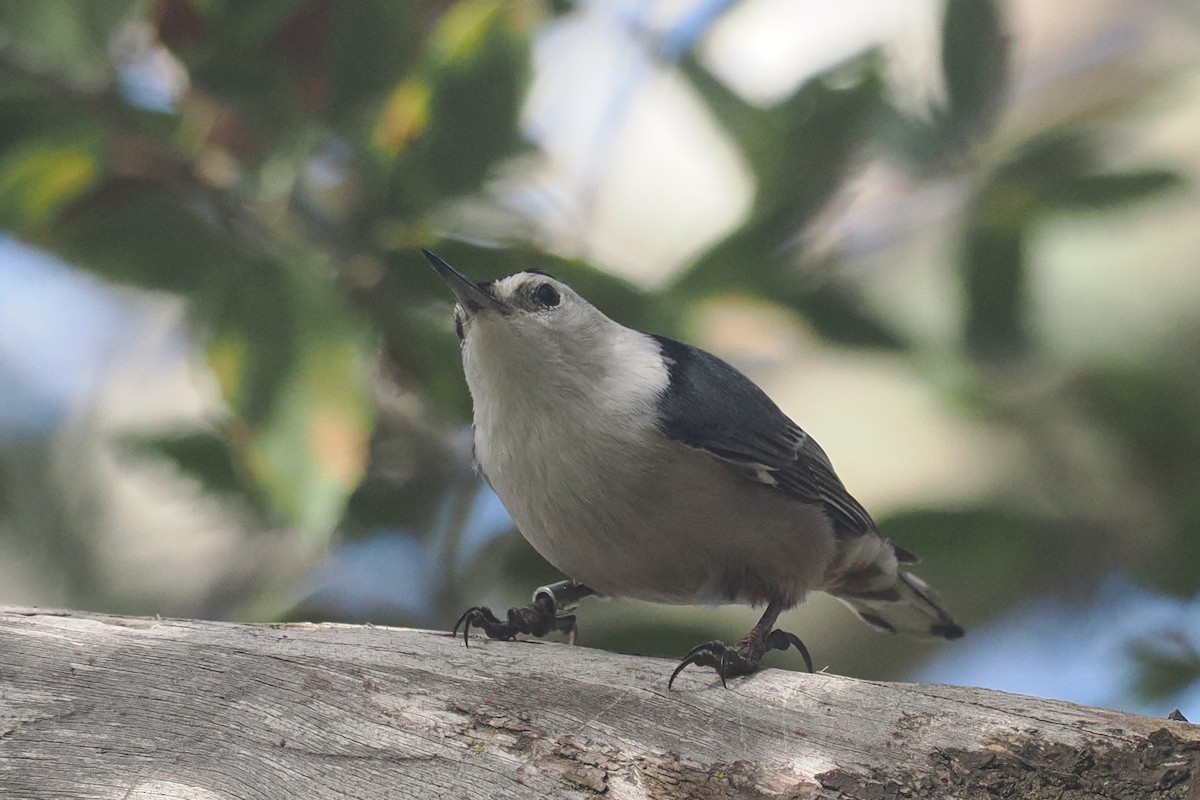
(731, 662)
(536, 619)
(782, 640)
(727, 661)
(481, 617)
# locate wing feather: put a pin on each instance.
(711, 406)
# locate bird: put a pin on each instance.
(644, 467)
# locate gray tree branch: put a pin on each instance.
(95, 706)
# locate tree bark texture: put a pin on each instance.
(95, 706)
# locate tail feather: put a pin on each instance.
(902, 555)
(908, 606)
(867, 577)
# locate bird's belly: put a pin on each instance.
(674, 527)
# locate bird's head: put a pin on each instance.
(530, 310)
(529, 338)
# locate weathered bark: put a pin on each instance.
(95, 706)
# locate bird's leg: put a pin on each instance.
(548, 611)
(743, 658)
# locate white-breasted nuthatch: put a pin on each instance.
(644, 467)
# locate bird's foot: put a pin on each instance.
(743, 658)
(536, 619)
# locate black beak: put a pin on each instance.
(472, 297)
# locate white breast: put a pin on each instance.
(597, 490)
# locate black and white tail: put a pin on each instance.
(870, 581)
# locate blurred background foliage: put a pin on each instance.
(957, 241)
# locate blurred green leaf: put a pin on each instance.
(740, 118)
(27, 112)
(411, 312)
(247, 315)
(1149, 409)
(372, 44)
(65, 37)
(1168, 665)
(800, 148)
(416, 482)
(748, 260)
(40, 177)
(841, 317)
(1057, 171)
(992, 272)
(1051, 173)
(443, 129)
(995, 556)
(142, 232)
(286, 351)
(919, 141)
(799, 151)
(291, 361)
(204, 455)
(1108, 190)
(974, 62)
(816, 135)
(261, 61)
(992, 268)
(378, 504)
(477, 85)
(745, 263)
(975, 56)
(1049, 158)
(311, 454)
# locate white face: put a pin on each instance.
(533, 307)
(529, 340)
(540, 342)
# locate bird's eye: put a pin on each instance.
(546, 296)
